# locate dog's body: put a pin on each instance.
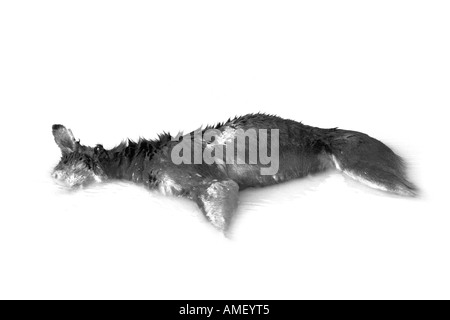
(302, 150)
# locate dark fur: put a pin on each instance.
(303, 150)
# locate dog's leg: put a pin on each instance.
(218, 200)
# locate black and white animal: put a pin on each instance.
(214, 187)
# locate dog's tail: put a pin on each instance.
(369, 161)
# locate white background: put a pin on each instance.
(110, 70)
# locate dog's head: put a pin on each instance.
(79, 165)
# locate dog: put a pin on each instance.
(194, 165)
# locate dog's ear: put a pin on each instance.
(64, 138)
